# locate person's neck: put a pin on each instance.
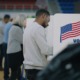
(38, 21)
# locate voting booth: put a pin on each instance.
(63, 29)
(66, 30)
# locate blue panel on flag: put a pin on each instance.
(66, 28)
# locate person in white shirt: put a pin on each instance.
(14, 48)
(35, 47)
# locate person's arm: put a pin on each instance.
(41, 41)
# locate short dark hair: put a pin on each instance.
(42, 11)
(6, 16)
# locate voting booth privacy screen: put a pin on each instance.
(63, 29)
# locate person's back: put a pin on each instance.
(15, 39)
(6, 31)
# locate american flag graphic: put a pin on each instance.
(70, 30)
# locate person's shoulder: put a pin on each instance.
(38, 26)
(39, 29)
(15, 28)
(9, 23)
(32, 25)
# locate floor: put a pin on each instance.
(1, 75)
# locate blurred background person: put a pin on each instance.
(5, 40)
(4, 21)
(35, 45)
(14, 48)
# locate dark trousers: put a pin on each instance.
(15, 62)
(6, 63)
(1, 54)
(15, 73)
(32, 74)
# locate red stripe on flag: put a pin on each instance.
(70, 36)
